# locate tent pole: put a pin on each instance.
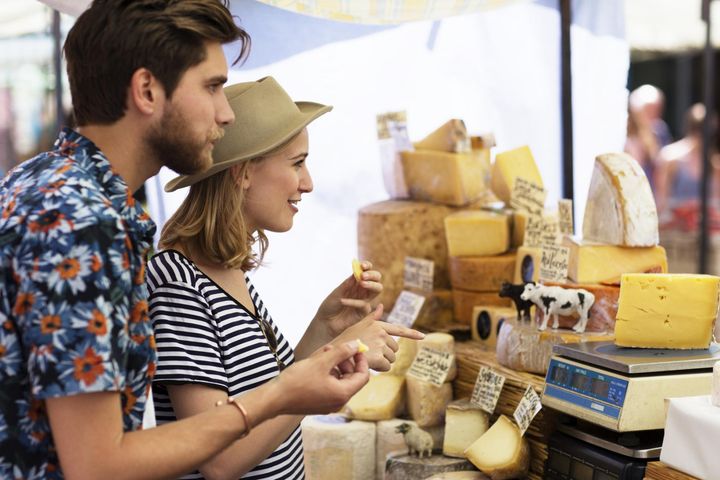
(566, 89)
(57, 66)
(708, 136)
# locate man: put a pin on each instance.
(76, 347)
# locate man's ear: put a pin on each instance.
(145, 93)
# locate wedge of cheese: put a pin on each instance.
(510, 165)
(477, 233)
(501, 453)
(407, 348)
(620, 207)
(465, 422)
(427, 402)
(382, 398)
(667, 311)
(481, 274)
(451, 136)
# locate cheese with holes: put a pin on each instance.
(486, 323)
(442, 342)
(527, 265)
(591, 263)
(502, 452)
(405, 467)
(437, 310)
(451, 136)
(390, 442)
(465, 422)
(667, 311)
(620, 207)
(510, 165)
(455, 179)
(601, 317)
(465, 301)
(407, 348)
(382, 398)
(333, 444)
(427, 402)
(519, 222)
(477, 233)
(481, 274)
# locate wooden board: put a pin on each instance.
(660, 471)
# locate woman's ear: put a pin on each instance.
(241, 174)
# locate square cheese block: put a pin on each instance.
(510, 165)
(486, 323)
(426, 402)
(455, 179)
(465, 301)
(477, 233)
(481, 274)
(591, 263)
(667, 311)
(382, 398)
(527, 265)
(465, 422)
(501, 452)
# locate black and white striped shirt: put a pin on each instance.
(205, 336)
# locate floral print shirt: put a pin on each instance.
(73, 301)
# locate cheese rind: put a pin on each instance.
(465, 422)
(427, 402)
(464, 302)
(620, 209)
(510, 165)
(390, 442)
(382, 398)
(481, 274)
(405, 467)
(675, 311)
(477, 233)
(502, 452)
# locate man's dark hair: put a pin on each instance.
(114, 38)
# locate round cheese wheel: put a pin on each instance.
(404, 467)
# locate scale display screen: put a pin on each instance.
(589, 383)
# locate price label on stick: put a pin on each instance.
(419, 273)
(565, 214)
(554, 263)
(406, 309)
(488, 387)
(431, 365)
(526, 410)
(528, 197)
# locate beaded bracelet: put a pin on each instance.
(243, 412)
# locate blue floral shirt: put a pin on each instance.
(73, 301)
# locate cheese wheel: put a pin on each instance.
(481, 274)
(437, 310)
(486, 323)
(389, 442)
(527, 265)
(382, 398)
(458, 476)
(465, 422)
(477, 233)
(443, 342)
(519, 222)
(716, 385)
(502, 452)
(333, 444)
(510, 165)
(465, 301)
(601, 317)
(404, 467)
(427, 402)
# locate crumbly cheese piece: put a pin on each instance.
(667, 311)
(357, 269)
(390, 442)
(407, 348)
(333, 444)
(427, 402)
(716, 385)
(486, 323)
(477, 233)
(465, 301)
(451, 136)
(465, 422)
(382, 398)
(362, 348)
(502, 452)
(455, 179)
(601, 317)
(591, 263)
(527, 265)
(406, 467)
(510, 165)
(442, 342)
(481, 274)
(620, 208)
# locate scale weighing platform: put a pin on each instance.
(624, 389)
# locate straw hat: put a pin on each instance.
(265, 118)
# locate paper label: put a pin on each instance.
(526, 410)
(533, 231)
(406, 309)
(565, 215)
(431, 365)
(488, 387)
(549, 233)
(554, 263)
(528, 197)
(419, 273)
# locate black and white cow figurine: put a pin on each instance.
(508, 290)
(560, 301)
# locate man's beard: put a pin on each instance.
(173, 146)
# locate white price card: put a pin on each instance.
(406, 309)
(431, 365)
(488, 387)
(554, 263)
(528, 197)
(533, 231)
(526, 410)
(549, 230)
(419, 273)
(565, 215)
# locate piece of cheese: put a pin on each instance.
(404, 467)
(477, 233)
(333, 444)
(523, 348)
(502, 452)
(451, 136)
(527, 265)
(667, 311)
(427, 402)
(362, 348)
(382, 398)
(519, 222)
(481, 274)
(465, 422)
(465, 301)
(455, 179)
(357, 269)
(620, 208)
(510, 165)
(407, 348)
(486, 323)
(442, 342)
(715, 398)
(606, 263)
(601, 317)
(390, 442)
(437, 310)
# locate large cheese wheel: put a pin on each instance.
(404, 467)
(465, 301)
(481, 274)
(465, 422)
(477, 233)
(502, 452)
(437, 310)
(382, 398)
(601, 317)
(337, 448)
(427, 402)
(390, 442)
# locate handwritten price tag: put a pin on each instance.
(565, 214)
(526, 410)
(419, 273)
(406, 309)
(486, 392)
(554, 263)
(550, 229)
(528, 197)
(431, 365)
(533, 231)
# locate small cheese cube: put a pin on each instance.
(427, 402)
(382, 398)
(465, 422)
(477, 233)
(502, 452)
(510, 165)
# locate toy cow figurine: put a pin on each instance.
(416, 439)
(560, 301)
(514, 292)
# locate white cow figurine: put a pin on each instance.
(559, 301)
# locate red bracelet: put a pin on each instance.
(243, 412)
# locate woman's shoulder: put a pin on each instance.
(171, 266)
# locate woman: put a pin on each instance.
(215, 336)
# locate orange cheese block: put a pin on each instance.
(602, 314)
(465, 300)
(481, 274)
